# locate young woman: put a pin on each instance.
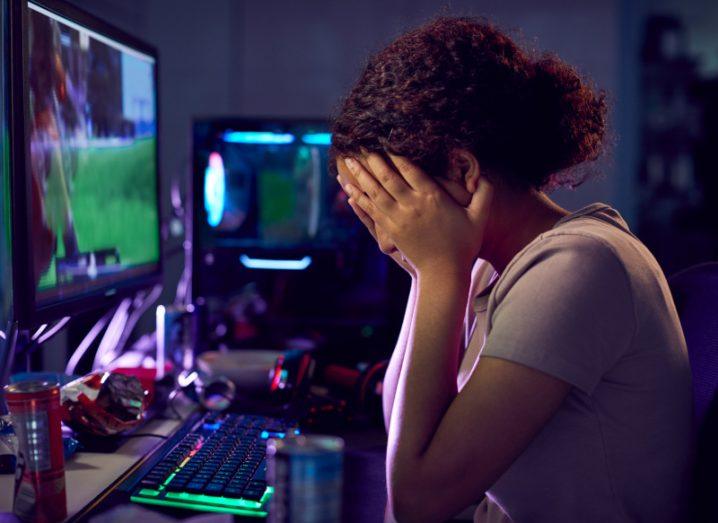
(578, 407)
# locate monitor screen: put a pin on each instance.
(274, 237)
(265, 186)
(5, 204)
(92, 133)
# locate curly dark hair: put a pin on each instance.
(462, 83)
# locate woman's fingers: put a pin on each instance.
(414, 176)
(369, 185)
(366, 204)
(358, 210)
(363, 217)
(387, 176)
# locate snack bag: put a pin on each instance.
(103, 403)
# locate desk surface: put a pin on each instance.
(87, 475)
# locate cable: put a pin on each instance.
(39, 331)
(87, 341)
(112, 333)
(141, 303)
(145, 435)
(173, 395)
(53, 330)
(183, 292)
(145, 302)
(183, 285)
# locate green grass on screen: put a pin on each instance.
(113, 199)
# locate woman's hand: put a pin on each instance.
(392, 251)
(432, 231)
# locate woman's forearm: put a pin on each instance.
(393, 371)
(427, 381)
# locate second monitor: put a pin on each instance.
(271, 223)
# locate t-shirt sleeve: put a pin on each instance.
(564, 308)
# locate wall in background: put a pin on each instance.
(299, 58)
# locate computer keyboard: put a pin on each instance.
(218, 466)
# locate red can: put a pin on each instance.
(40, 475)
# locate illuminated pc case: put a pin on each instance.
(274, 238)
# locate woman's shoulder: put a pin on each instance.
(593, 237)
(571, 258)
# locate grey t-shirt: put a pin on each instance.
(587, 303)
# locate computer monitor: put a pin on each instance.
(264, 186)
(86, 219)
(271, 225)
(5, 238)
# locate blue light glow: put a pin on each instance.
(258, 137)
(266, 435)
(276, 265)
(214, 189)
(317, 138)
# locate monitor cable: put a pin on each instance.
(123, 323)
(145, 303)
(88, 340)
(49, 333)
(112, 333)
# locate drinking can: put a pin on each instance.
(40, 473)
(306, 473)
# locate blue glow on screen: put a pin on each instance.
(258, 137)
(317, 138)
(214, 189)
(276, 265)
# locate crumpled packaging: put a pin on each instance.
(103, 403)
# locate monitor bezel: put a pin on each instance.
(27, 310)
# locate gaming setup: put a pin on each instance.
(276, 259)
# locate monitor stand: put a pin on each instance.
(8, 347)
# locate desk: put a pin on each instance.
(87, 475)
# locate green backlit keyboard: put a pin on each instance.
(218, 466)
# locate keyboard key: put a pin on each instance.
(257, 485)
(195, 487)
(238, 488)
(253, 495)
(243, 476)
(150, 483)
(184, 477)
(156, 475)
(176, 486)
(214, 488)
(233, 492)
